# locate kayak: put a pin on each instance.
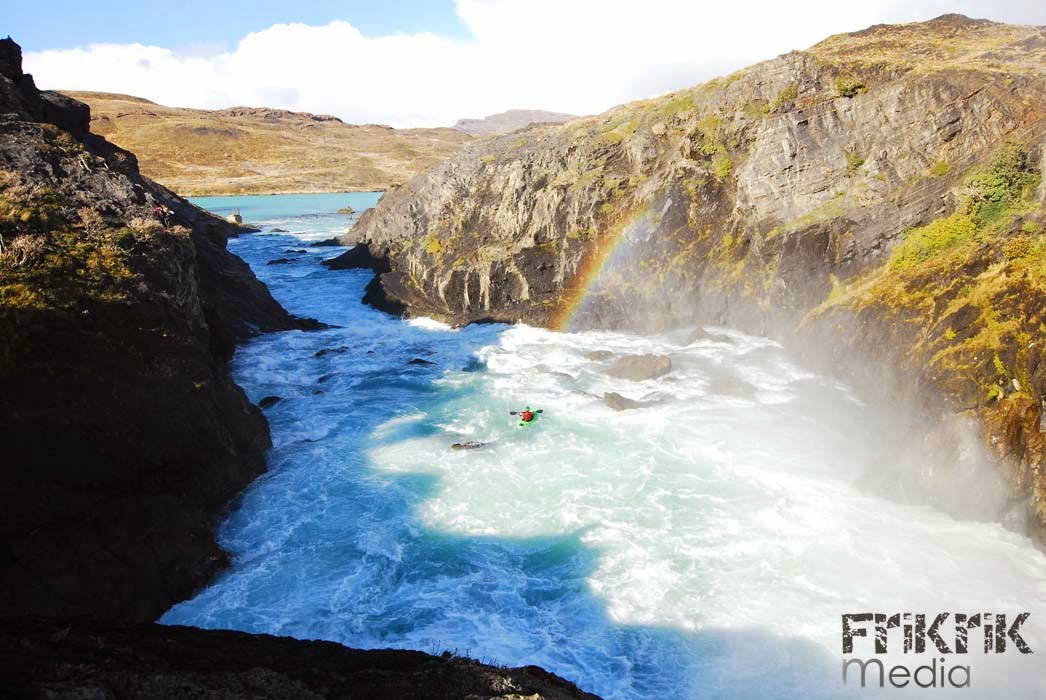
(523, 423)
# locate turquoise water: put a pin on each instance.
(302, 214)
(702, 547)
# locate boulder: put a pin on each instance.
(732, 386)
(640, 367)
(359, 257)
(699, 334)
(269, 401)
(332, 351)
(621, 403)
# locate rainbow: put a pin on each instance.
(598, 258)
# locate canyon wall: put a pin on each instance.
(876, 201)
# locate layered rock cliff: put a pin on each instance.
(122, 433)
(876, 200)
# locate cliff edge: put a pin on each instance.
(122, 434)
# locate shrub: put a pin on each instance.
(923, 243)
(1008, 178)
(853, 163)
(787, 94)
(1017, 248)
(849, 86)
(722, 166)
(939, 169)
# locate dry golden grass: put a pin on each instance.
(256, 151)
(949, 41)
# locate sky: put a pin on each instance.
(414, 63)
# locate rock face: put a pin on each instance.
(123, 435)
(504, 122)
(82, 659)
(875, 200)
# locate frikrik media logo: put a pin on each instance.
(948, 633)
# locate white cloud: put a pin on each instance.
(579, 56)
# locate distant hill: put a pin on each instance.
(255, 150)
(509, 121)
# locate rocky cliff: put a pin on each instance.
(876, 200)
(122, 433)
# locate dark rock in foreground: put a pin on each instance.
(123, 435)
(80, 659)
(640, 367)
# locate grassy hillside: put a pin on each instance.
(245, 150)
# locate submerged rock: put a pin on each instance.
(469, 445)
(269, 401)
(346, 210)
(599, 355)
(640, 367)
(280, 261)
(419, 361)
(732, 386)
(332, 351)
(620, 403)
(277, 230)
(699, 334)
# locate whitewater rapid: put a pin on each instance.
(702, 546)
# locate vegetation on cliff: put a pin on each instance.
(969, 290)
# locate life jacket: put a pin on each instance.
(527, 416)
